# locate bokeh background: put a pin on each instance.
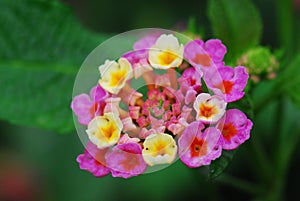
(39, 165)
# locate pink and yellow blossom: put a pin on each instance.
(104, 131)
(159, 148)
(178, 113)
(126, 160)
(93, 160)
(235, 129)
(114, 75)
(198, 145)
(87, 107)
(166, 52)
(209, 108)
(232, 83)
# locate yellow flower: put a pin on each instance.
(159, 148)
(104, 131)
(114, 75)
(166, 52)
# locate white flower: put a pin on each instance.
(159, 148)
(114, 75)
(209, 108)
(104, 131)
(166, 52)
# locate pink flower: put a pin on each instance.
(196, 55)
(126, 139)
(235, 129)
(146, 42)
(198, 148)
(232, 83)
(190, 84)
(126, 160)
(190, 79)
(93, 160)
(207, 54)
(138, 58)
(87, 107)
(209, 108)
(215, 49)
(139, 62)
(151, 104)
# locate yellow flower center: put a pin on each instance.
(117, 77)
(107, 131)
(208, 111)
(167, 57)
(159, 149)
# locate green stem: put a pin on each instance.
(285, 142)
(261, 163)
(285, 28)
(271, 95)
(278, 126)
(240, 184)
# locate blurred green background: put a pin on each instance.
(38, 164)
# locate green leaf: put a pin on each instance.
(236, 22)
(192, 25)
(41, 49)
(218, 166)
(290, 80)
(245, 104)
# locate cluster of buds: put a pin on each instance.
(260, 63)
(169, 115)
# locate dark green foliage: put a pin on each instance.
(42, 47)
(237, 23)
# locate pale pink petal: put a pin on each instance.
(210, 109)
(196, 55)
(190, 96)
(233, 82)
(186, 111)
(126, 160)
(216, 49)
(98, 94)
(176, 107)
(134, 111)
(126, 139)
(178, 128)
(146, 42)
(235, 128)
(155, 123)
(198, 148)
(112, 106)
(81, 106)
(93, 160)
(128, 125)
(162, 81)
(139, 62)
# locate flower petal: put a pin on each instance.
(81, 105)
(216, 49)
(159, 148)
(126, 160)
(235, 128)
(196, 55)
(93, 160)
(114, 75)
(104, 131)
(197, 148)
(209, 108)
(166, 52)
(232, 83)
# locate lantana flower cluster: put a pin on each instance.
(169, 115)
